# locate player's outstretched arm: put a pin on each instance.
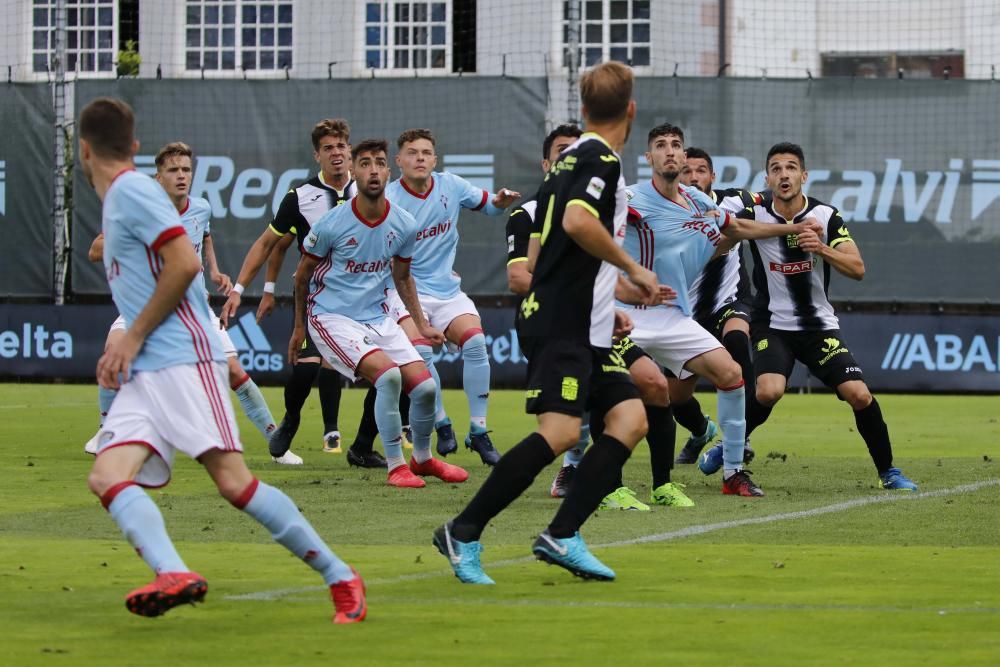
(303, 274)
(274, 262)
(407, 290)
(96, 251)
(255, 259)
(502, 199)
(221, 280)
(180, 266)
(590, 234)
(845, 257)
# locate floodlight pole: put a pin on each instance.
(574, 20)
(60, 230)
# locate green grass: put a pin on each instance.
(911, 580)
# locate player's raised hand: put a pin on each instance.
(230, 307)
(113, 366)
(505, 198)
(265, 307)
(222, 281)
(295, 343)
(433, 335)
(623, 324)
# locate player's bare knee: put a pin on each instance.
(731, 375)
(768, 395)
(858, 397)
(99, 481)
(654, 389)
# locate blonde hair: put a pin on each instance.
(605, 91)
(173, 149)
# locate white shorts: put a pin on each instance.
(227, 343)
(344, 342)
(439, 313)
(182, 408)
(670, 337)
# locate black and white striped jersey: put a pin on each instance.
(305, 204)
(790, 284)
(724, 279)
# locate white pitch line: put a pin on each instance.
(690, 531)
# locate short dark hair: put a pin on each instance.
(664, 129)
(412, 135)
(699, 153)
(108, 126)
(330, 127)
(370, 146)
(605, 91)
(567, 130)
(173, 149)
(786, 147)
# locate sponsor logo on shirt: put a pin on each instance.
(793, 267)
(377, 266)
(705, 227)
(434, 230)
(595, 187)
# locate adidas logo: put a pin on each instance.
(352, 242)
(252, 346)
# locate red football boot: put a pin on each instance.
(168, 590)
(402, 477)
(349, 600)
(437, 468)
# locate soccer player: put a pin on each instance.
(436, 199)
(300, 208)
(720, 302)
(675, 230)
(792, 317)
(174, 168)
(347, 259)
(566, 325)
(169, 369)
(646, 375)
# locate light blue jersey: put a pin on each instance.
(354, 257)
(673, 241)
(196, 218)
(138, 218)
(436, 212)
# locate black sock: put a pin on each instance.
(873, 429)
(757, 414)
(510, 477)
(404, 407)
(689, 415)
(329, 398)
(737, 343)
(297, 389)
(367, 429)
(594, 479)
(661, 436)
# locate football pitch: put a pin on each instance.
(827, 569)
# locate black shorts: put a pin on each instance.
(822, 352)
(630, 353)
(572, 377)
(715, 322)
(309, 348)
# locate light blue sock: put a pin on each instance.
(476, 379)
(732, 419)
(422, 418)
(105, 397)
(390, 427)
(276, 512)
(140, 520)
(575, 455)
(427, 354)
(255, 407)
